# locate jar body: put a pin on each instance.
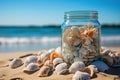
(80, 40)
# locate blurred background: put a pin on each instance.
(32, 25)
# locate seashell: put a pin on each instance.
(83, 29)
(75, 31)
(91, 48)
(40, 52)
(91, 69)
(51, 50)
(83, 53)
(77, 59)
(81, 76)
(57, 61)
(76, 66)
(61, 68)
(54, 55)
(90, 25)
(32, 67)
(45, 56)
(44, 71)
(48, 63)
(102, 67)
(107, 59)
(58, 50)
(16, 62)
(68, 58)
(66, 34)
(30, 59)
(89, 33)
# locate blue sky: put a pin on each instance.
(43, 12)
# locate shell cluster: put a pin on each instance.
(52, 60)
(82, 42)
(109, 56)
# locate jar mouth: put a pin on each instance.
(81, 14)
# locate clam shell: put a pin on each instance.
(81, 76)
(108, 60)
(61, 68)
(44, 71)
(102, 67)
(30, 59)
(32, 67)
(57, 61)
(76, 66)
(16, 62)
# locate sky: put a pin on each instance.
(45, 12)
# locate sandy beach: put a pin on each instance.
(6, 73)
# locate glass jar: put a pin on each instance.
(81, 37)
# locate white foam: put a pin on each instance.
(26, 40)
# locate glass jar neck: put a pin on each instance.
(93, 15)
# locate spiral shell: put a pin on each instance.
(16, 62)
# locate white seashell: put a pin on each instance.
(83, 53)
(81, 76)
(60, 68)
(16, 62)
(44, 71)
(102, 67)
(76, 66)
(32, 67)
(30, 59)
(57, 61)
(58, 50)
(43, 57)
(51, 50)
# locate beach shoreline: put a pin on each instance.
(6, 73)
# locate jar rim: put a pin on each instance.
(81, 14)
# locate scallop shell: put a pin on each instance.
(44, 71)
(76, 66)
(108, 60)
(30, 59)
(61, 68)
(32, 67)
(75, 31)
(54, 55)
(102, 67)
(16, 62)
(48, 63)
(57, 61)
(81, 76)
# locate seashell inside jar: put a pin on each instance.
(82, 42)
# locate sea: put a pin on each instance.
(25, 38)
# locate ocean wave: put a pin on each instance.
(45, 40)
(28, 40)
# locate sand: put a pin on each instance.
(6, 73)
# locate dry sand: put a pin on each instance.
(7, 73)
